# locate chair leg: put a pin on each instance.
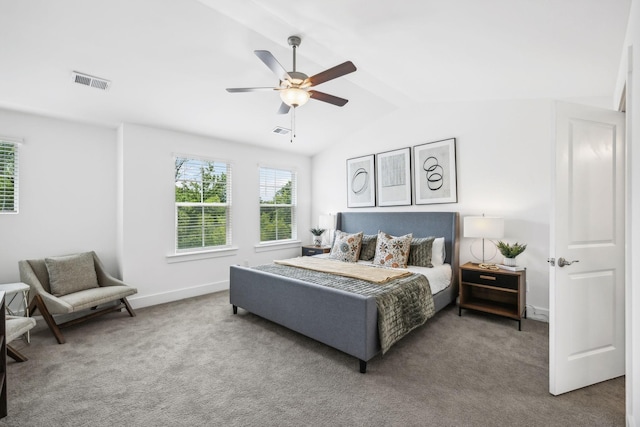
(128, 307)
(33, 305)
(49, 319)
(15, 354)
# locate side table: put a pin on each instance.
(12, 290)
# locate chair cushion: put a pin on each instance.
(94, 297)
(71, 273)
(16, 326)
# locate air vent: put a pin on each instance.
(280, 130)
(87, 80)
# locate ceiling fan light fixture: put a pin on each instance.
(294, 97)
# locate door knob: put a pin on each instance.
(562, 262)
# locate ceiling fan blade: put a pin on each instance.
(249, 89)
(325, 97)
(332, 73)
(284, 108)
(273, 64)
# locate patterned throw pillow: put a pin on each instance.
(421, 250)
(346, 247)
(392, 251)
(368, 250)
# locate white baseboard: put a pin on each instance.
(537, 313)
(170, 296)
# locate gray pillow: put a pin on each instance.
(71, 273)
(421, 251)
(368, 250)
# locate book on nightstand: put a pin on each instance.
(510, 268)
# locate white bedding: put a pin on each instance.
(439, 276)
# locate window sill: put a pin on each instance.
(194, 256)
(276, 246)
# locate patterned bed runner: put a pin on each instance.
(403, 304)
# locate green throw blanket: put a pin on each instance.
(403, 304)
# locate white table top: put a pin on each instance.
(11, 288)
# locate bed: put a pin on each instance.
(340, 319)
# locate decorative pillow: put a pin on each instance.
(368, 250)
(346, 247)
(438, 253)
(420, 253)
(72, 273)
(392, 251)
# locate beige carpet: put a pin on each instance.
(193, 363)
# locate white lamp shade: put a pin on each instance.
(486, 227)
(328, 222)
(294, 97)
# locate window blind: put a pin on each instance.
(277, 204)
(8, 176)
(202, 203)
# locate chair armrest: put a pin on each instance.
(104, 278)
(28, 276)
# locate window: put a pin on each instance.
(277, 204)
(8, 176)
(203, 204)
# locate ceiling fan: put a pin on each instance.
(294, 85)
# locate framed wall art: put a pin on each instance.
(361, 187)
(393, 172)
(435, 172)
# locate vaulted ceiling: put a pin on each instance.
(170, 61)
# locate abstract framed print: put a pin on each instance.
(393, 173)
(361, 189)
(435, 172)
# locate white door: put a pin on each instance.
(586, 298)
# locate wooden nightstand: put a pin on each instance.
(500, 292)
(315, 250)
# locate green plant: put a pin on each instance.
(317, 231)
(510, 251)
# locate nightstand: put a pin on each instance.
(500, 292)
(315, 250)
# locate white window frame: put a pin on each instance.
(227, 246)
(15, 144)
(293, 240)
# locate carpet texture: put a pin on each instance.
(193, 363)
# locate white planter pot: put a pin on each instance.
(511, 262)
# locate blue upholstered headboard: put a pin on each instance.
(421, 224)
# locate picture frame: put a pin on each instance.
(361, 187)
(435, 172)
(393, 177)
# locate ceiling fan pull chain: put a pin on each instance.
(293, 124)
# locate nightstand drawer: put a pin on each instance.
(490, 278)
(315, 250)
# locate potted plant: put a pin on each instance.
(510, 252)
(317, 235)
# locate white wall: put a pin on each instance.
(147, 223)
(504, 169)
(85, 187)
(67, 192)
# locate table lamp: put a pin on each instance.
(328, 222)
(483, 227)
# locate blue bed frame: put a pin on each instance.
(343, 320)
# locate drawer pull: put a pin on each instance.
(487, 277)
